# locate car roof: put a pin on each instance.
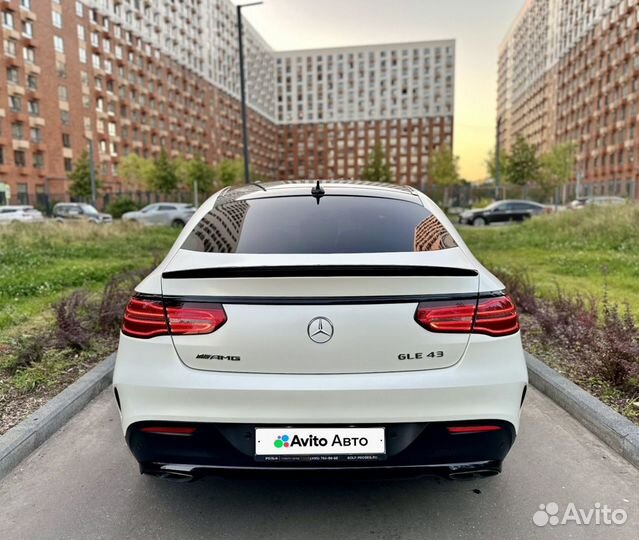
(291, 188)
(16, 206)
(520, 201)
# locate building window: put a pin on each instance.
(66, 140)
(38, 160)
(13, 75)
(34, 107)
(36, 135)
(68, 164)
(64, 118)
(57, 19)
(32, 82)
(79, 9)
(20, 158)
(17, 131)
(10, 47)
(7, 19)
(28, 54)
(27, 29)
(23, 194)
(63, 93)
(58, 44)
(1, 155)
(15, 103)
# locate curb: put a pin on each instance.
(611, 427)
(21, 440)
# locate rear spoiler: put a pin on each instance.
(225, 272)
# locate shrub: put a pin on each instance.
(593, 339)
(122, 206)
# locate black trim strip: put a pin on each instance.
(319, 271)
(330, 300)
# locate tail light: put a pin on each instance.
(147, 318)
(491, 316)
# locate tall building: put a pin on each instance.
(569, 72)
(139, 76)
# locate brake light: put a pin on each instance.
(144, 319)
(496, 317)
(147, 318)
(195, 318)
(491, 316)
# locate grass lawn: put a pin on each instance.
(580, 251)
(40, 264)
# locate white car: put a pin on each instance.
(171, 214)
(20, 214)
(307, 326)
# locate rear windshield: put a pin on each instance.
(338, 224)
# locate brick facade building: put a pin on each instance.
(140, 76)
(569, 71)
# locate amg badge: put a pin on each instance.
(218, 357)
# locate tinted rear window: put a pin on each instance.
(339, 224)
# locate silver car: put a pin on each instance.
(20, 214)
(172, 214)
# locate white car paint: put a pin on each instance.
(285, 378)
(20, 214)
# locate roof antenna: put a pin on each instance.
(318, 192)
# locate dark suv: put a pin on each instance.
(501, 212)
(79, 212)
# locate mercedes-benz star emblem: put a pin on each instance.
(320, 330)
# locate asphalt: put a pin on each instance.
(84, 484)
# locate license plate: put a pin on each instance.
(291, 442)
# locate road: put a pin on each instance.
(83, 484)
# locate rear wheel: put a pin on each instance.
(479, 222)
(177, 224)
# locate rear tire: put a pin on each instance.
(177, 224)
(479, 222)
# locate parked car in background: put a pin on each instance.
(582, 202)
(79, 212)
(502, 212)
(20, 214)
(171, 214)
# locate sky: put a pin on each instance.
(477, 25)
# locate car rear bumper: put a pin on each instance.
(152, 384)
(423, 447)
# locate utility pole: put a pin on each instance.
(245, 137)
(92, 172)
(498, 158)
(580, 177)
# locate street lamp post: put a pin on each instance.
(497, 159)
(240, 37)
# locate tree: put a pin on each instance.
(377, 168)
(557, 167)
(491, 168)
(523, 164)
(230, 171)
(135, 170)
(443, 169)
(163, 174)
(80, 178)
(199, 171)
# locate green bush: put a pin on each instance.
(122, 206)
